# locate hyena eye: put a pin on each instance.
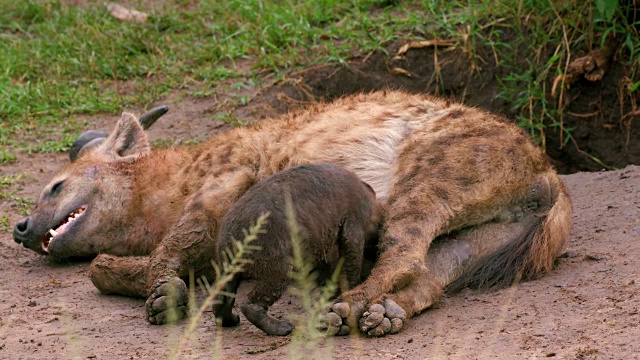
(55, 189)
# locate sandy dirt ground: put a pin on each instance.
(588, 308)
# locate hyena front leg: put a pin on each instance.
(121, 275)
(190, 245)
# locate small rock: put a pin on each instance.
(393, 310)
(396, 325)
(371, 321)
(122, 13)
(341, 308)
(410, 340)
(32, 303)
(569, 254)
(551, 354)
(594, 257)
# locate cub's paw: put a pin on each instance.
(382, 319)
(167, 301)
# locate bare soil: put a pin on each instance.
(588, 308)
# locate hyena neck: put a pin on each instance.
(154, 202)
(166, 181)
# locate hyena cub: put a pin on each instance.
(337, 216)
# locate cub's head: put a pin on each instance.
(77, 212)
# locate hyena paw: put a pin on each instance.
(167, 301)
(382, 319)
(341, 318)
(334, 325)
(379, 319)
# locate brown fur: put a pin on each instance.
(336, 215)
(437, 168)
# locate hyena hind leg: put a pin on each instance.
(223, 306)
(449, 258)
(266, 292)
(120, 275)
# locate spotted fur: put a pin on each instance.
(440, 169)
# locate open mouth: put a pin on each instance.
(62, 228)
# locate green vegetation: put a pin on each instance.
(8, 194)
(59, 60)
(5, 225)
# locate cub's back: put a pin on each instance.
(323, 196)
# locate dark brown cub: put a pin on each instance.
(337, 215)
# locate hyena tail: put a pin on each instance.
(532, 251)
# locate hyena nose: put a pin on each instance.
(21, 230)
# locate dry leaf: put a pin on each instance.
(556, 81)
(426, 43)
(400, 71)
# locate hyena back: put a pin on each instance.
(468, 179)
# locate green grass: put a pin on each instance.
(5, 224)
(59, 60)
(8, 194)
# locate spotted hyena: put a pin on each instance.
(336, 215)
(468, 199)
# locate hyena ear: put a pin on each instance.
(127, 141)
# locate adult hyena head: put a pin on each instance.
(86, 203)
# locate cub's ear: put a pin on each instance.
(127, 141)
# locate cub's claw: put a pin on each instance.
(378, 320)
(167, 301)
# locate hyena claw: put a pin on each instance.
(167, 302)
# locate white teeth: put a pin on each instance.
(53, 232)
